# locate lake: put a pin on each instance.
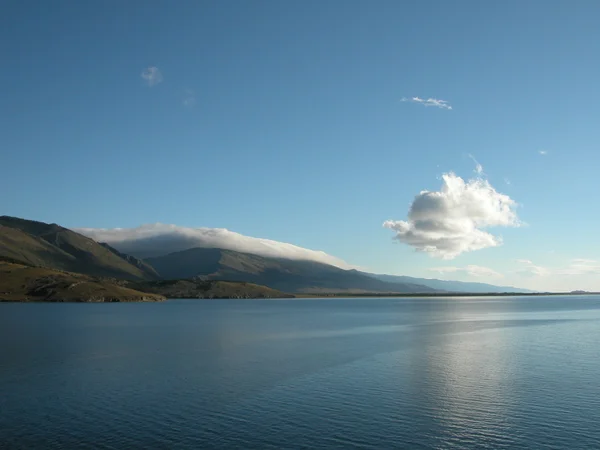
(430, 373)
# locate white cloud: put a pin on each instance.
(478, 167)
(189, 98)
(570, 275)
(442, 104)
(574, 267)
(443, 270)
(451, 221)
(524, 261)
(471, 270)
(581, 267)
(152, 76)
(528, 268)
(542, 152)
(160, 239)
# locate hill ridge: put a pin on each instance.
(56, 247)
(287, 275)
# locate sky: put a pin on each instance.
(454, 140)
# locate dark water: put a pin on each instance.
(358, 373)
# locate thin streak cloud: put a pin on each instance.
(478, 167)
(442, 104)
(578, 266)
(471, 270)
(189, 98)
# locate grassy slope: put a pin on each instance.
(52, 246)
(20, 246)
(146, 268)
(19, 282)
(207, 289)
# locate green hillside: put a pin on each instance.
(21, 283)
(207, 289)
(55, 247)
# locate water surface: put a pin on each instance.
(432, 373)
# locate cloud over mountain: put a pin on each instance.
(160, 239)
(454, 220)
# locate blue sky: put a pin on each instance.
(285, 120)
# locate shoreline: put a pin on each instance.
(327, 296)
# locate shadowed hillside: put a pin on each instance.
(206, 289)
(52, 246)
(19, 282)
(282, 274)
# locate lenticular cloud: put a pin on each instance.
(454, 219)
(160, 239)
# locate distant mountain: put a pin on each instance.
(22, 283)
(293, 276)
(55, 247)
(450, 286)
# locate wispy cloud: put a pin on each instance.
(581, 267)
(471, 270)
(189, 98)
(478, 167)
(528, 268)
(160, 239)
(442, 104)
(574, 267)
(453, 220)
(542, 152)
(151, 76)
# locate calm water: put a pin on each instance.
(358, 373)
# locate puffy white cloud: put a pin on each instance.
(453, 220)
(152, 76)
(160, 239)
(442, 104)
(471, 270)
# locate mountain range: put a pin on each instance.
(212, 272)
(295, 276)
(449, 285)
